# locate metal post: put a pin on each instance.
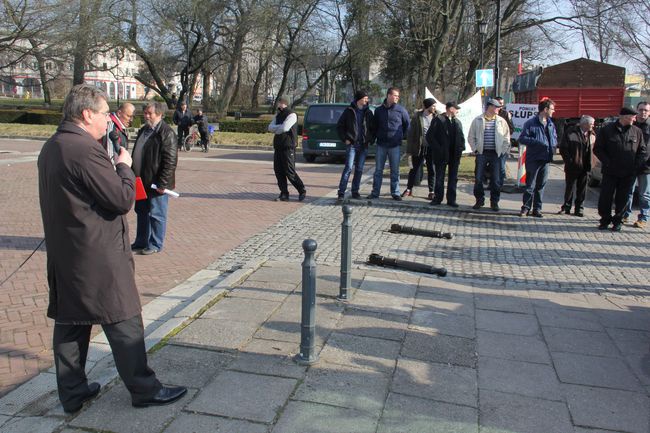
(307, 355)
(481, 37)
(346, 253)
(497, 58)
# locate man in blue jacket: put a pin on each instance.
(391, 121)
(540, 137)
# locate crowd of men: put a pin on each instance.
(437, 142)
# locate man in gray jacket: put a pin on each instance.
(489, 138)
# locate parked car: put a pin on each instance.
(319, 136)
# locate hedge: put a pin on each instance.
(50, 117)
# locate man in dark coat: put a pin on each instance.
(575, 148)
(154, 161)
(642, 122)
(622, 151)
(354, 128)
(182, 119)
(446, 144)
(285, 139)
(90, 271)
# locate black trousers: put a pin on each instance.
(418, 161)
(204, 138)
(126, 339)
(580, 182)
(182, 133)
(615, 189)
(452, 182)
(285, 168)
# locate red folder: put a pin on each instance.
(140, 193)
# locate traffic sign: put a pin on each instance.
(484, 77)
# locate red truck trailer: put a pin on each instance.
(577, 87)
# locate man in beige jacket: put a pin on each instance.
(489, 139)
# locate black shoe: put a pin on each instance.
(523, 212)
(372, 197)
(282, 197)
(478, 205)
(302, 196)
(340, 199)
(537, 214)
(136, 249)
(603, 226)
(148, 251)
(617, 227)
(566, 210)
(435, 203)
(579, 213)
(356, 196)
(397, 197)
(93, 390)
(494, 206)
(166, 395)
(454, 204)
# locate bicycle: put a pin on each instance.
(193, 139)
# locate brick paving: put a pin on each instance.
(227, 197)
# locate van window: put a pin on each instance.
(324, 114)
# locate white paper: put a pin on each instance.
(169, 192)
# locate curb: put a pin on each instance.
(163, 316)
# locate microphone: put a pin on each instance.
(115, 139)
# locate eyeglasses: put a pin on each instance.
(104, 113)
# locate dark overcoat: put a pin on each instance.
(84, 201)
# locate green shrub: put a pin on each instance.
(31, 117)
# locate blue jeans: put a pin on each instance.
(355, 157)
(152, 221)
(392, 153)
(536, 177)
(496, 180)
(643, 185)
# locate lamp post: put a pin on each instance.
(118, 55)
(482, 30)
(187, 71)
(498, 42)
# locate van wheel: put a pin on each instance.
(310, 158)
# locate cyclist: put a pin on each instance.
(201, 121)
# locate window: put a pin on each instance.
(324, 114)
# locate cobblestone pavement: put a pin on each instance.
(226, 198)
(556, 252)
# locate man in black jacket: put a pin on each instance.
(622, 152)
(154, 160)
(182, 119)
(446, 144)
(354, 130)
(201, 122)
(284, 127)
(642, 122)
(575, 148)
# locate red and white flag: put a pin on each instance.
(520, 65)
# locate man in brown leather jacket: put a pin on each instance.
(575, 148)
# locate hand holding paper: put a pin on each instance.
(166, 191)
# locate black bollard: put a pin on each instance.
(307, 355)
(397, 228)
(379, 260)
(346, 254)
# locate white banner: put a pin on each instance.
(469, 110)
(520, 113)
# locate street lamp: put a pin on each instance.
(498, 42)
(482, 30)
(187, 72)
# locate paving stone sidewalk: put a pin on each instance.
(541, 326)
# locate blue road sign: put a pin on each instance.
(484, 77)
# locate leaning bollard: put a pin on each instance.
(379, 260)
(307, 355)
(346, 254)
(397, 228)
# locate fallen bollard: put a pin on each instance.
(346, 254)
(397, 228)
(379, 260)
(307, 355)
